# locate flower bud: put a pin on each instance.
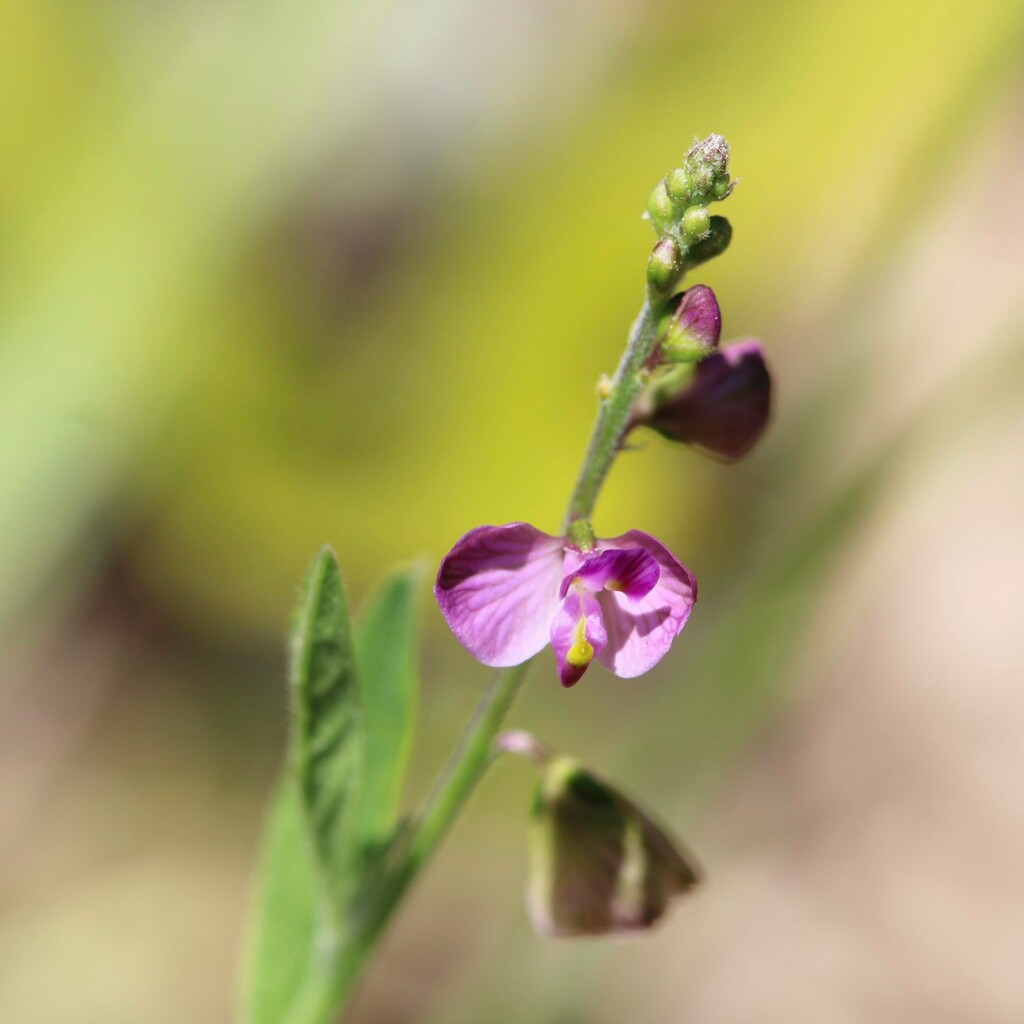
(676, 206)
(664, 266)
(598, 863)
(696, 222)
(660, 207)
(691, 330)
(708, 158)
(714, 243)
(679, 185)
(724, 408)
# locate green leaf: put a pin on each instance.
(386, 647)
(339, 796)
(327, 736)
(309, 849)
(280, 948)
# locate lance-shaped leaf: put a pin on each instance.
(326, 754)
(281, 943)
(386, 642)
(598, 863)
(337, 802)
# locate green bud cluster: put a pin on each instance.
(678, 210)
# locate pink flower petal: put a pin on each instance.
(697, 319)
(498, 591)
(577, 635)
(634, 572)
(640, 631)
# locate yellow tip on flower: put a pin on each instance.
(582, 652)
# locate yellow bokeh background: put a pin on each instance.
(280, 274)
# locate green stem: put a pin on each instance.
(474, 752)
(613, 417)
(468, 763)
(464, 769)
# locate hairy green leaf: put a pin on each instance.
(386, 647)
(327, 736)
(284, 916)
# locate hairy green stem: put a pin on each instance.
(474, 753)
(475, 750)
(457, 780)
(470, 760)
(613, 417)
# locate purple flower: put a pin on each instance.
(698, 317)
(724, 409)
(507, 591)
(692, 328)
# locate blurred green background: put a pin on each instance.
(284, 273)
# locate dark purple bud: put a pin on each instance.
(724, 408)
(692, 330)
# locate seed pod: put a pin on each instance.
(598, 863)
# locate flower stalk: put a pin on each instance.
(613, 416)
(475, 750)
(687, 236)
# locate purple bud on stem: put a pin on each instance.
(691, 330)
(724, 408)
